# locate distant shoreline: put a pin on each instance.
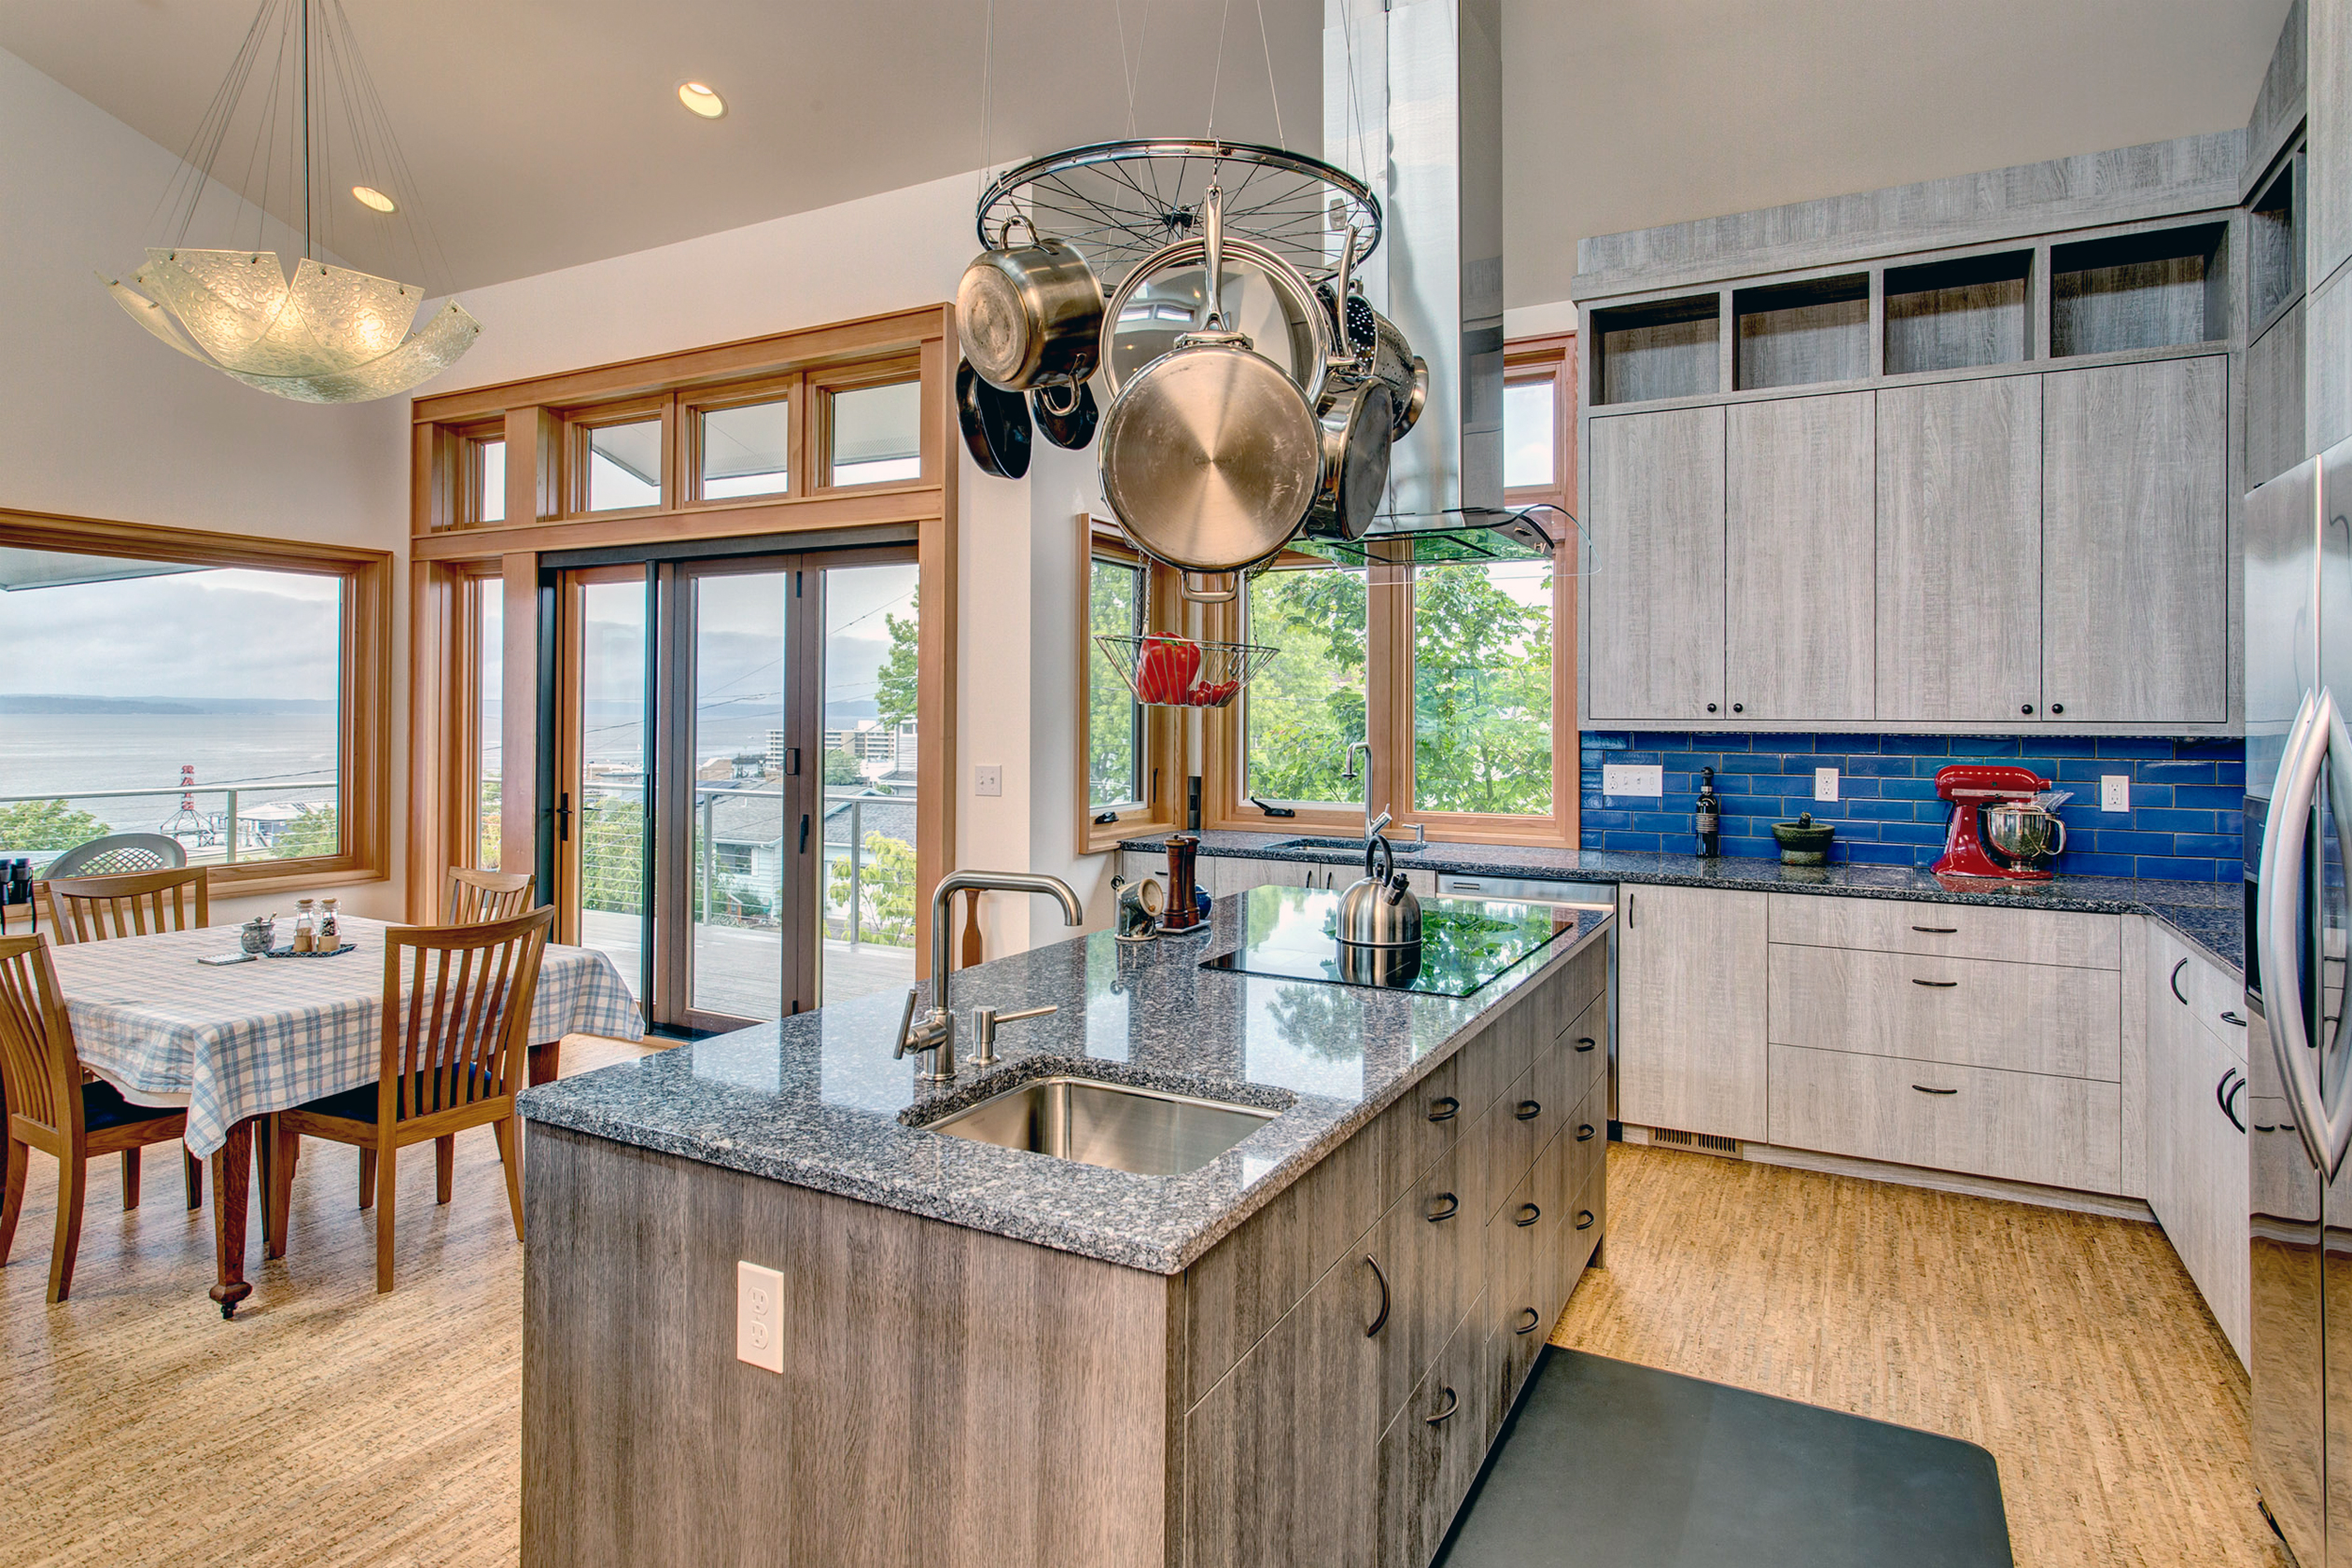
(44, 703)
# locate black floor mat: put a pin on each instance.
(1608, 1463)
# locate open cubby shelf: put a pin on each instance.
(2274, 245)
(2161, 289)
(1948, 315)
(1789, 334)
(1665, 350)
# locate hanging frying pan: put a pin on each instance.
(1071, 425)
(1209, 454)
(995, 424)
(1358, 420)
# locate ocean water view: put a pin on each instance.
(79, 757)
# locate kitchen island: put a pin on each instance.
(1297, 1350)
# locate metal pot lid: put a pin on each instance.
(1262, 296)
(1210, 457)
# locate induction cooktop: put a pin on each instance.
(1290, 934)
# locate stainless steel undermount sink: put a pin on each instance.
(1354, 843)
(1147, 1131)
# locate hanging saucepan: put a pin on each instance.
(1032, 316)
(1357, 418)
(1066, 415)
(995, 424)
(1408, 408)
(1259, 294)
(1211, 452)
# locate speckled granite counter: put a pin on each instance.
(818, 1100)
(2212, 914)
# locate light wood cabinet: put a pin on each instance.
(1656, 523)
(2329, 62)
(1949, 930)
(2135, 559)
(1966, 1012)
(2274, 399)
(1691, 1010)
(1959, 551)
(2197, 1103)
(1799, 517)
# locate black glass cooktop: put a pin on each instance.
(1290, 935)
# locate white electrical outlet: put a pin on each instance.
(1825, 784)
(758, 1316)
(987, 780)
(1632, 779)
(2115, 792)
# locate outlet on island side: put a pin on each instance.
(758, 1316)
(2115, 792)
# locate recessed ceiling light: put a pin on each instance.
(702, 98)
(370, 196)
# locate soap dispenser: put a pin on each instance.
(1708, 820)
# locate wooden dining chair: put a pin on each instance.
(476, 896)
(456, 1037)
(133, 903)
(52, 1107)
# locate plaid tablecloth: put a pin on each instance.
(245, 1039)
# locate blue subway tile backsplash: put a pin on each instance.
(2183, 825)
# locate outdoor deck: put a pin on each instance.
(736, 970)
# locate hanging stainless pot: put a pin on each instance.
(1211, 453)
(1066, 415)
(1032, 316)
(1358, 420)
(1164, 298)
(996, 425)
(1408, 408)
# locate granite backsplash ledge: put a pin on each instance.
(2184, 824)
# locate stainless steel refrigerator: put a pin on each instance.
(2298, 926)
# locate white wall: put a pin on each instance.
(902, 249)
(97, 419)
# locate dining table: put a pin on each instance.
(235, 1042)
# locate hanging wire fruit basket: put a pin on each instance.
(1184, 672)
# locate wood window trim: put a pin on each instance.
(445, 684)
(580, 429)
(363, 700)
(1163, 730)
(922, 340)
(824, 387)
(790, 389)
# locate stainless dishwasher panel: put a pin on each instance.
(1577, 895)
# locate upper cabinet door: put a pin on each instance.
(2329, 60)
(2135, 561)
(1799, 529)
(1959, 552)
(1656, 494)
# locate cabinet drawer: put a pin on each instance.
(1576, 987)
(1582, 1221)
(1584, 1051)
(1420, 1126)
(1584, 1137)
(1967, 1012)
(1432, 1451)
(2023, 1126)
(2189, 979)
(1517, 1129)
(1957, 931)
(1430, 1251)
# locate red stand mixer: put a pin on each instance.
(2000, 831)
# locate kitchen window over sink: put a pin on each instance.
(1128, 781)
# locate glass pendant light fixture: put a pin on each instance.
(328, 334)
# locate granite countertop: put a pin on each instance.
(816, 1100)
(2211, 914)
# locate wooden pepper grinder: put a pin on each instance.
(1183, 911)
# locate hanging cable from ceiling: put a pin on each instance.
(1273, 89)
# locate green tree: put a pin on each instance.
(841, 768)
(315, 831)
(1482, 690)
(1307, 706)
(50, 824)
(894, 694)
(488, 817)
(1111, 711)
(886, 891)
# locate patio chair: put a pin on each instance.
(452, 1058)
(53, 1107)
(118, 852)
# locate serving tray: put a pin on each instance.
(287, 952)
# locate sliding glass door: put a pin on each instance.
(734, 809)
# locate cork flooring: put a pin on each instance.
(2076, 1349)
(327, 1424)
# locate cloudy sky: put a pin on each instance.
(231, 632)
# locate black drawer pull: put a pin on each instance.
(2225, 1093)
(1584, 1219)
(1935, 984)
(1529, 1110)
(1444, 1108)
(1453, 1403)
(1584, 1132)
(2175, 982)
(2233, 1019)
(1924, 1089)
(1938, 931)
(1584, 1042)
(1452, 1206)
(1381, 1321)
(1534, 1318)
(1527, 1215)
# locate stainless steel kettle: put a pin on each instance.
(1379, 910)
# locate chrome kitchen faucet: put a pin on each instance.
(936, 1033)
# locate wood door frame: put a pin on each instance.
(561, 857)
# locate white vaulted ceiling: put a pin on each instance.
(547, 132)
